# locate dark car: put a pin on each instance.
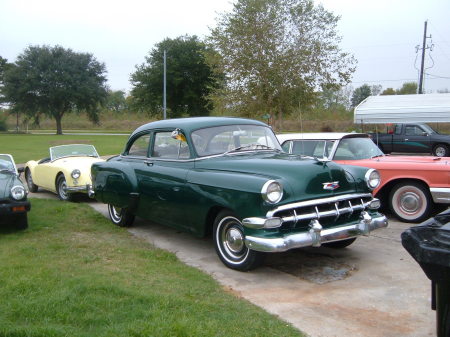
(230, 177)
(13, 195)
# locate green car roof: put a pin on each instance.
(195, 123)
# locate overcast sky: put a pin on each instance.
(381, 34)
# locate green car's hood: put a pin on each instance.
(304, 178)
(7, 181)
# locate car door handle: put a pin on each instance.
(148, 163)
(406, 139)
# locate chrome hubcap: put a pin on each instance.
(410, 202)
(234, 240)
(440, 152)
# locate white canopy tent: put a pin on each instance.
(426, 108)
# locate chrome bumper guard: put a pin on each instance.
(316, 235)
(90, 191)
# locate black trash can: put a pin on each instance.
(429, 244)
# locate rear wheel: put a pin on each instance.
(61, 188)
(229, 241)
(441, 150)
(339, 244)
(120, 216)
(31, 186)
(410, 201)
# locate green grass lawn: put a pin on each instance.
(24, 147)
(72, 273)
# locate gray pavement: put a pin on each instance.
(371, 289)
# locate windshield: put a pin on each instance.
(7, 163)
(356, 148)
(428, 129)
(79, 150)
(234, 138)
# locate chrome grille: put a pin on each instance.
(331, 208)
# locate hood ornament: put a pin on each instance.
(331, 186)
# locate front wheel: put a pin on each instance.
(120, 216)
(31, 186)
(61, 189)
(410, 202)
(229, 241)
(21, 221)
(441, 150)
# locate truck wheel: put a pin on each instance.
(410, 202)
(339, 244)
(120, 216)
(31, 186)
(229, 241)
(61, 188)
(441, 150)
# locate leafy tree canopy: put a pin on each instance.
(55, 81)
(189, 78)
(276, 54)
(360, 94)
(116, 101)
(408, 88)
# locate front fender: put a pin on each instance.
(236, 191)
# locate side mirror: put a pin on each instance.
(21, 170)
(424, 134)
(178, 135)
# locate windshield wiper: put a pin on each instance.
(376, 156)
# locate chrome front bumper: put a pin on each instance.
(315, 236)
(78, 189)
(441, 195)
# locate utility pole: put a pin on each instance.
(164, 90)
(424, 47)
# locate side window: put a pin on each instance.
(413, 130)
(169, 148)
(286, 146)
(398, 129)
(139, 147)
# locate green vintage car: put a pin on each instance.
(230, 178)
(13, 195)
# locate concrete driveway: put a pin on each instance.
(371, 289)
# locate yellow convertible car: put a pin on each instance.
(65, 172)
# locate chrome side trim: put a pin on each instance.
(441, 195)
(316, 235)
(316, 202)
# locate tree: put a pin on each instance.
(389, 91)
(116, 101)
(276, 54)
(55, 81)
(408, 88)
(360, 94)
(189, 78)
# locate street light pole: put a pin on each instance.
(164, 90)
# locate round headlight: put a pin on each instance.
(76, 174)
(18, 192)
(272, 191)
(373, 179)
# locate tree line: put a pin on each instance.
(265, 59)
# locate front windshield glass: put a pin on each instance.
(356, 148)
(428, 129)
(75, 150)
(234, 138)
(6, 163)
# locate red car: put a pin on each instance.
(414, 187)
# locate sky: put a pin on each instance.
(381, 34)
